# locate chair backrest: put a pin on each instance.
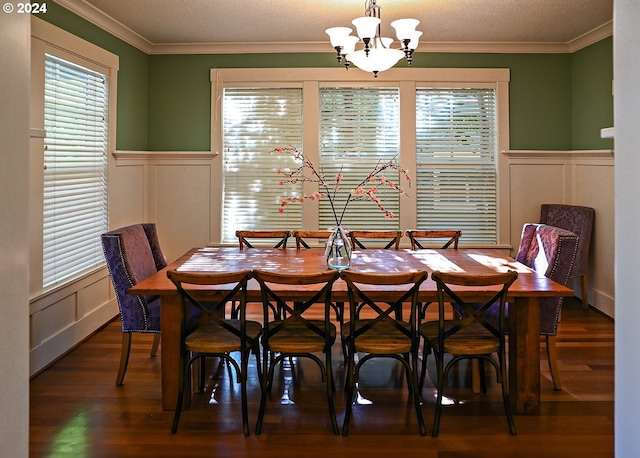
(450, 237)
(577, 219)
(132, 254)
(302, 237)
(209, 311)
(482, 315)
(392, 238)
(385, 313)
(294, 313)
(280, 236)
(552, 251)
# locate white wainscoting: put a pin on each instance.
(576, 178)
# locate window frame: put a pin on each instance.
(49, 39)
(407, 80)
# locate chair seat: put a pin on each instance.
(472, 340)
(382, 338)
(211, 338)
(297, 338)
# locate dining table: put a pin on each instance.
(524, 298)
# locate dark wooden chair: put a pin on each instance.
(213, 335)
(132, 254)
(360, 238)
(380, 332)
(450, 238)
(295, 335)
(303, 238)
(245, 237)
(473, 337)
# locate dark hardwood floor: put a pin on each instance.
(77, 411)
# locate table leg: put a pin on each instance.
(524, 355)
(170, 351)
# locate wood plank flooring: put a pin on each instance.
(77, 411)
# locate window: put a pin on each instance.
(359, 129)
(456, 162)
(255, 121)
(75, 169)
(445, 126)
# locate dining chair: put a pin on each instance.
(380, 331)
(473, 337)
(213, 335)
(303, 238)
(296, 334)
(280, 237)
(451, 238)
(579, 220)
(244, 241)
(359, 238)
(553, 252)
(132, 254)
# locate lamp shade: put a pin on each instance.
(415, 39)
(378, 60)
(337, 35)
(366, 26)
(349, 44)
(405, 27)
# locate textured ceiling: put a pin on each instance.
(304, 21)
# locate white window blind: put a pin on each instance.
(456, 140)
(75, 175)
(256, 120)
(359, 129)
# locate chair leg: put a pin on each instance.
(584, 292)
(264, 385)
(244, 356)
(351, 381)
(330, 389)
(476, 377)
(416, 393)
(124, 357)
(438, 412)
(552, 357)
(155, 344)
(182, 381)
(505, 397)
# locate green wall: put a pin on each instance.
(592, 98)
(180, 91)
(133, 76)
(557, 101)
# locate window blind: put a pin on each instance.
(456, 162)
(255, 121)
(359, 129)
(75, 169)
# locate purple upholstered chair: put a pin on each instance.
(553, 252)
(577, 219)
(133, 253)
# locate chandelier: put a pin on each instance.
(376, 54)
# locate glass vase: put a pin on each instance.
(338, 249)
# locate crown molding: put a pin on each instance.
(107, 23)
(591, 37)
(119, 30)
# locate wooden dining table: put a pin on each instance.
(524, 295)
